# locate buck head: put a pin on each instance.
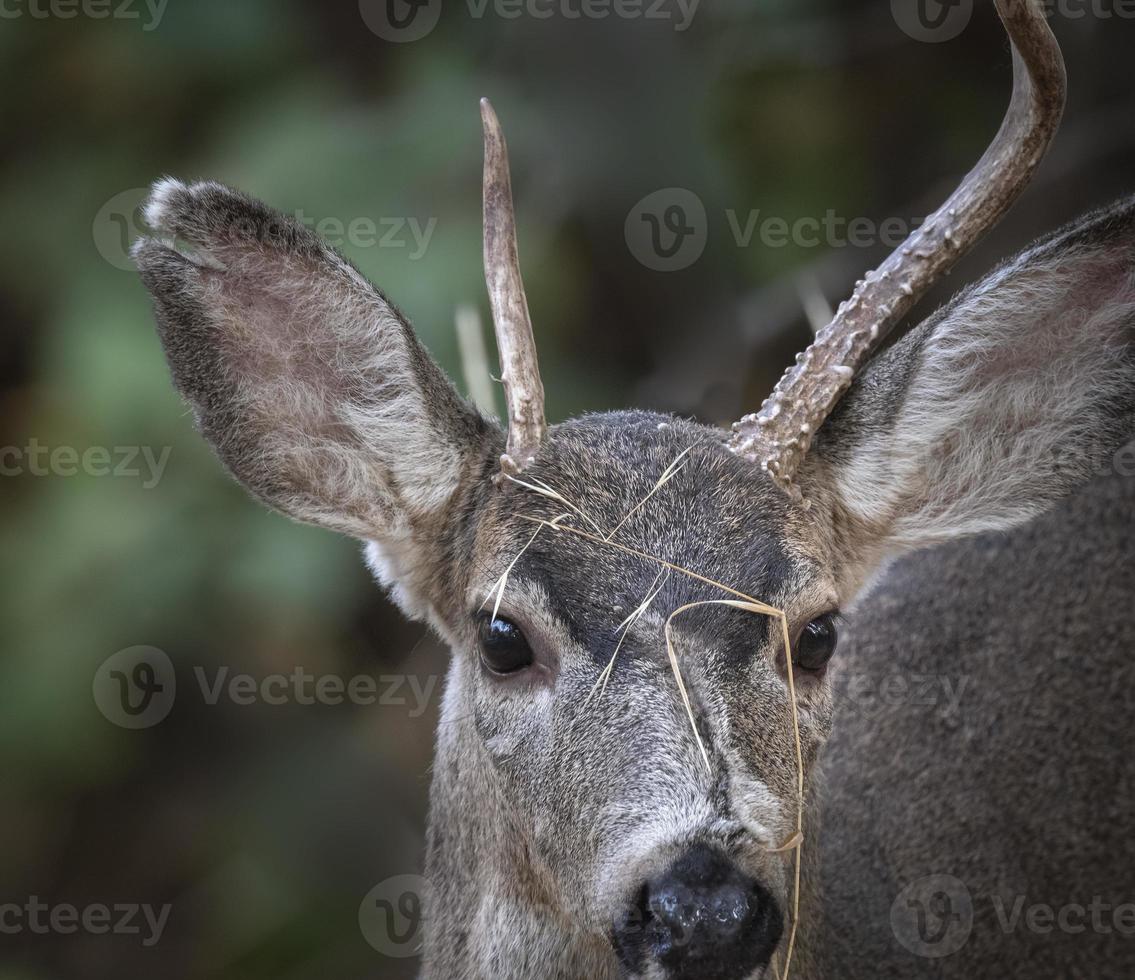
(643, 611)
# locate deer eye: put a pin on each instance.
(504, 649)
(816, 643)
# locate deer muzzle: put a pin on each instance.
(702, 917)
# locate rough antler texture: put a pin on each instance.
(520, 372)
(778, 436)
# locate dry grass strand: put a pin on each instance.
(499, 585)
(542, 488)
(668, 474)
(625, 626)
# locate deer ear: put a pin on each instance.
(308, 383)
(1005, 400)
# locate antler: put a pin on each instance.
(520, 372)
(778, 436)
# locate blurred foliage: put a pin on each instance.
(265, 826)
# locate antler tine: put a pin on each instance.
(778, 436)
(520, 372)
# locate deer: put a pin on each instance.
(632, 774)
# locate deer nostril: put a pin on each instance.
(702, 917)
(730, 908)
(684, 909)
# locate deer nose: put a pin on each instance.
(701, 918)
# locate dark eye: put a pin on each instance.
(504, 650)
(816, 643)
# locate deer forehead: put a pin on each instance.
(638, 501)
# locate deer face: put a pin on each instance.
(642, 609)
(640, 839)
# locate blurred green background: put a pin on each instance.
(264, 826)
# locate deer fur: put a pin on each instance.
(1020, 787)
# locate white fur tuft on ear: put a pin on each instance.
(158, 204)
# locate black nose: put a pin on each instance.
(701, 919)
